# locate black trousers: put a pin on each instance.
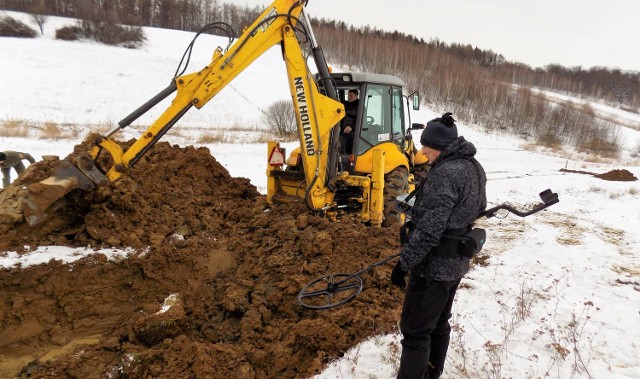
(425, 327)
(346, 140)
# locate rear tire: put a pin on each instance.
(396, 183)
(420, 172)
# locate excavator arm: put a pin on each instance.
(316, 113)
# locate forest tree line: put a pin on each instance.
(475, 84)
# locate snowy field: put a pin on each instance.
(559, 296)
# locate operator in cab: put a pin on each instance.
(348, 125)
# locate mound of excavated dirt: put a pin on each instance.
(618, 176)
(226, 268)
(613, 175)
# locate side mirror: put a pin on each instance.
(416, 101)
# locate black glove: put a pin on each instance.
(397, 276)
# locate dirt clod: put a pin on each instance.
(233, 265)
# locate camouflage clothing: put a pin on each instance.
(13, 159)
(451, 198)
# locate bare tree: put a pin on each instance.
(281, 118)
(38, 12)
(40, 20)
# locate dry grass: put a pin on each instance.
(556, 149)
(596, 189)
(569, 231)
(55, 131)
(613, 236)
(565, 340)
(549, 140)
(505, 234)
(231, 136)
(237, 127)
(628, 270)
(50, 130)
(604, 147)
(288, 137)
(591, 158)
(391, 351)
(615, 195)
(215, 137)
(14, 128)
(264, 137)
(45, 130)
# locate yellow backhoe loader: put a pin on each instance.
(363, 182)
(372, 172)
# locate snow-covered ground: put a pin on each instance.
(559, 296)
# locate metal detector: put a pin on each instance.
(333, 290)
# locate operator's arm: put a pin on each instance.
(437, 200)
(27, 157)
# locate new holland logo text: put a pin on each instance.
(304, 116)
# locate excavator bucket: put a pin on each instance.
(71, 173)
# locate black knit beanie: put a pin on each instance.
(439, 132)
(3, 156)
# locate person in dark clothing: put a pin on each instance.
(347, 126)
(447, 203)
(12, 159)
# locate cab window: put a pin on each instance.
(377, 119)
(397, 126)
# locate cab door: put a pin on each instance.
(382, 118)
(397, 117)
(377, 118)
(382, 126)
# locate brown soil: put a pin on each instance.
(235, 265)
(613, 175)
(617, 176)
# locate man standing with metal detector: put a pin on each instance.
(446, 203)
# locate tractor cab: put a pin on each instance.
(379, 119)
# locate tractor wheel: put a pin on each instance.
(420, 172)
(396, 183)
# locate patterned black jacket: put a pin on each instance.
(451, 198)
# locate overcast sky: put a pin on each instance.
(569, 32)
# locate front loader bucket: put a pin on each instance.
(38, 203)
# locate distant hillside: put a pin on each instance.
(481, 87)
(477, 85)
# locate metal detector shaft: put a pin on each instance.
(548, 199)
(367, 269)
